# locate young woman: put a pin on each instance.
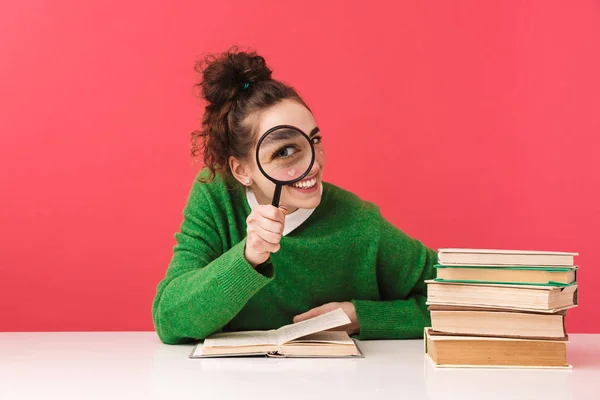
(242, 264)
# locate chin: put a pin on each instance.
(307, 204)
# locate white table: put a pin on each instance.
(135, 365)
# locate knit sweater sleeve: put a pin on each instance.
(205, 286)
(403, 264)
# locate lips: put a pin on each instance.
(306, 183)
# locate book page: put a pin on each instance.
(240, 339)
(333, 337)
(323, 322)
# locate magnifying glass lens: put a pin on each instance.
(285, 154)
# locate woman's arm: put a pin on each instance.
(205, 286)
(402, 267)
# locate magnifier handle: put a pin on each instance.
(276, 195)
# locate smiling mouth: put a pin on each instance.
(306, 183)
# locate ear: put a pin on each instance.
(240, 171)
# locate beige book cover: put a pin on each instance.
(548, 299)
(490, 352)
(455, 256)
(469, 321)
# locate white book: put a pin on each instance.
(489, 257)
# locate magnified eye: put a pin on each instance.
(285, 152)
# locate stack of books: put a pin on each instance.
(500, 308)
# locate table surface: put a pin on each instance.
(132, 365)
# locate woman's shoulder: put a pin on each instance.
(205, 180)
(214, 188)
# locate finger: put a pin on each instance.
(307, 315)
(270, 225)
(256, 216)
(270, 237)
(299, 318)
(260, 246)
(271, 213)
(339, 328)
(315, 312)
(265, 247)
(272, 247)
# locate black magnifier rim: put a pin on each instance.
(312, 160)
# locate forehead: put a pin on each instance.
(287, 112)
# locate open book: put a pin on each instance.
(309, 338)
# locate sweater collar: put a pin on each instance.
(293, 220)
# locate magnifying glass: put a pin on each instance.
(285, 155)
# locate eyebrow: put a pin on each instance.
(284, 134)
(281, 134)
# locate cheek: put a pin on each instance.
(320, 156)
(263, 182)
(259, 179)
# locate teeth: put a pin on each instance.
(306, 184)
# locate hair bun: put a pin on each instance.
(224, 76)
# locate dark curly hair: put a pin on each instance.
(235, 84)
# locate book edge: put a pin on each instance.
(569, 367)
(454, 250)
(573, 285)
(359, 355)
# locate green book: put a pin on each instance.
(515, 275)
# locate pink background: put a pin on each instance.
(471, 123)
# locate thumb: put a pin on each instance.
(304, 316)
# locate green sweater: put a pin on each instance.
(345, 251)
